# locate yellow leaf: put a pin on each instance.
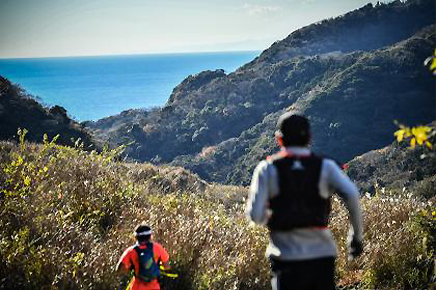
(27, 181)
(400, 134)
(433, 64)
(413, 143)
(428, 144)
(421, 130)
(414, 130)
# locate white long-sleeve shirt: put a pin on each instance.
(304, 243)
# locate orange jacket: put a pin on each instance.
(130, 258)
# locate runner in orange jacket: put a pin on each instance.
(130, 259)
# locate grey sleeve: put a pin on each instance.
(348, 191)
(261, 188)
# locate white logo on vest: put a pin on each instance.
(297, 165)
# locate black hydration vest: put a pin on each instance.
(148, 268)
(298, 204)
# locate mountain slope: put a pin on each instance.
(368, 28)
(351, 85)
(353, 111)
(397, 167)
(20, 110)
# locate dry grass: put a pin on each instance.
(67, 215)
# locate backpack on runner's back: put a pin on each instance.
(148, 268)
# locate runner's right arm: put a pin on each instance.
(263, 186)
(124, 263)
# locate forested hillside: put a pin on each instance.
(20, 110)
(397, 167)
(352, 76)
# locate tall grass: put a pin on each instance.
(67, 215)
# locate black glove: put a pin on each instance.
(355, 249)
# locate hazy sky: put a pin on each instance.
(34, 28)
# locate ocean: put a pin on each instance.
(93, 87)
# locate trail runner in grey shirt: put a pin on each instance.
(302, 244)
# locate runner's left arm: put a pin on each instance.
(348, 191)
(124, 263)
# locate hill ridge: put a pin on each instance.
(20, 110)
(363, 83)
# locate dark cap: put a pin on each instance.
(294, 129)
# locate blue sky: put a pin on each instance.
(39, 28)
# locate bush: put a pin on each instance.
(399, 238)
(67, 215)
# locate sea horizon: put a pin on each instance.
(95, 87)
(133, 54)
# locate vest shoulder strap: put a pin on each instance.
(139, 250)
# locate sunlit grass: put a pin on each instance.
(66, 216)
